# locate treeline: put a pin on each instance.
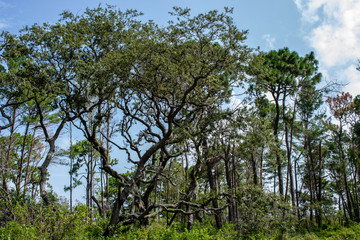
(161, 99)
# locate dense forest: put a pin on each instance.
(281, 161)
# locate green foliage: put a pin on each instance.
(262, 213)
(34, 221)
(157, 230)
(333, 231)
(160, 95)
(14, 230)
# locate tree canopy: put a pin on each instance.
(157, 99)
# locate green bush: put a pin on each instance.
(158, 230)
(333, 232)
(35, 221)
(262, 214)
(14, 230)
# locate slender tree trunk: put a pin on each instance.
(6, 164)
(261, 166)
(348, 198)
(71, 170)
(254, 169)
(88, 186)
(21, 162)
(234, 183)
(312, 179)
(278, 159)
(108, 155)
(193, 189)
(27, 171)
(296, 190)
(213, 192)
(319, 195)
(344, 207)
(92, 172)
(230, 199)
(289, 142)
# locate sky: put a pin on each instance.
(330, 28)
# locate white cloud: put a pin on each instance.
(335, 45)
(351, 76)
(335, 35)
(309, 9)
(270, 41)
(336, 38)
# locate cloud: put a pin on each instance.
(270, 41)
(309, 9)
(334, 32)
(351, 76)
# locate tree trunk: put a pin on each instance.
(213, 192)
(26, 181)
(254, 169)
(278, 159)
(230, 199)
(43, 172)
(319, 195)
(21, 162)
(6, 164)
(71, 170)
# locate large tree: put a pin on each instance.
(283, 74)
(152, 81)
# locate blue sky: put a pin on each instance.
(330, 28)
